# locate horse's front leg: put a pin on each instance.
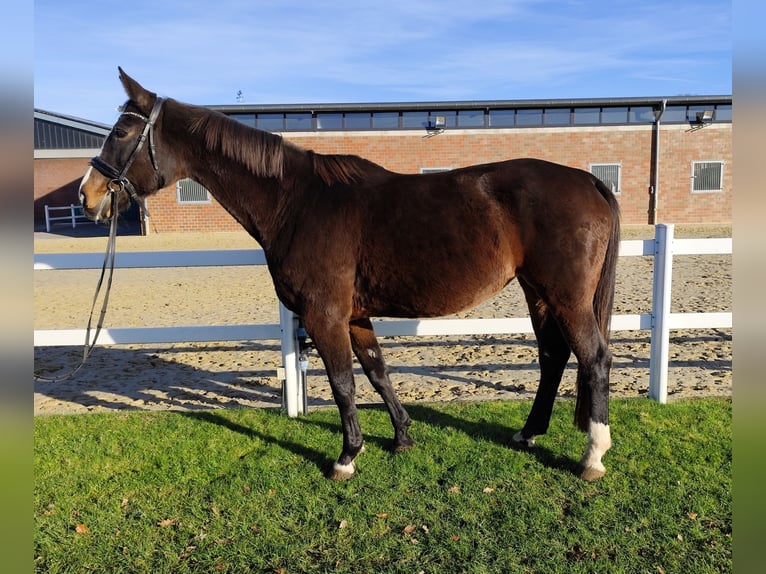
(334, 347)
(367, 350)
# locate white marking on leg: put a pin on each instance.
(346, 469)
(599, 441)
(372, 353)
(528, 442)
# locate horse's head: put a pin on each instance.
(128, 164)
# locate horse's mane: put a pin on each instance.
(263, 153)
(344, 169)
(260, 152)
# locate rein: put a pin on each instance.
(108, 264)
(118, 182)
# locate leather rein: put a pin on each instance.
(118, 181)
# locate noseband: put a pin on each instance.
(118, 180)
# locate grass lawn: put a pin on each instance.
(244, 491)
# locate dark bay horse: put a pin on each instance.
(347, 240)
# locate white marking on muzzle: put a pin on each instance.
(82, 183)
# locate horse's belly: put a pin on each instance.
(430, 291)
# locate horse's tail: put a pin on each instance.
(603, 299)
(604, 296)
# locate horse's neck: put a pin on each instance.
(256, 202)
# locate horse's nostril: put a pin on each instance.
(82, 198)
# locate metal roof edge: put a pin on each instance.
(73, 122)
(467, 104)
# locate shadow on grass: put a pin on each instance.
(424, 414)
(497, 433)
(313, 456)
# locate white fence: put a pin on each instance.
(659, 321)
(74, 216)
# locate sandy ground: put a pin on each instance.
(215, 375)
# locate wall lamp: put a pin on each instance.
(436, 125)
(705, 117)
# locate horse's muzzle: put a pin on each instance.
(96, 196)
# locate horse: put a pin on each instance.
(346, 240)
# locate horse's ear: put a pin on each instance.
(142, 97)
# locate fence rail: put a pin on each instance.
(663, 247)
(75, 215)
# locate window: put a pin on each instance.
(415, 120)
(723, 113)
(586, 115)
(614, 115)
(529, 118)
(502, 118)
(641, 115)
(557, 117)
(385, 120)
(674, 115)
(271, 122)
(247, 119)
(470, 118)
(330, 121)
(609, 173)
(298, 122)
(358, 121)
(707, 176)
(189, 191)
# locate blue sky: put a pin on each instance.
(318, 51)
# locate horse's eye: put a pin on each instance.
(119, 132)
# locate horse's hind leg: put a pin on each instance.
(554, 352)
(574, 328)
(368, 352)
(594, 360)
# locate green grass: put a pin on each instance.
(244, 491)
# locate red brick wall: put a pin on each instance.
(409, 151)
(679, 147)
(168, 216)
(56, 183)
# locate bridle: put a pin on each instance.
(118, 179)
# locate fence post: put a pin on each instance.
(71, 211)
(47, 220)
(663, 273)
(293, 386)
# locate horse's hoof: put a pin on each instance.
(404, 446)
(520, 441)
(342, 471)
(591, 474)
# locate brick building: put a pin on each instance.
(669, 160)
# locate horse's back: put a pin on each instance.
(441, 243)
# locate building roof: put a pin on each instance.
(472, 104)
(58, 134)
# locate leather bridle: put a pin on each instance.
(118, 179)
